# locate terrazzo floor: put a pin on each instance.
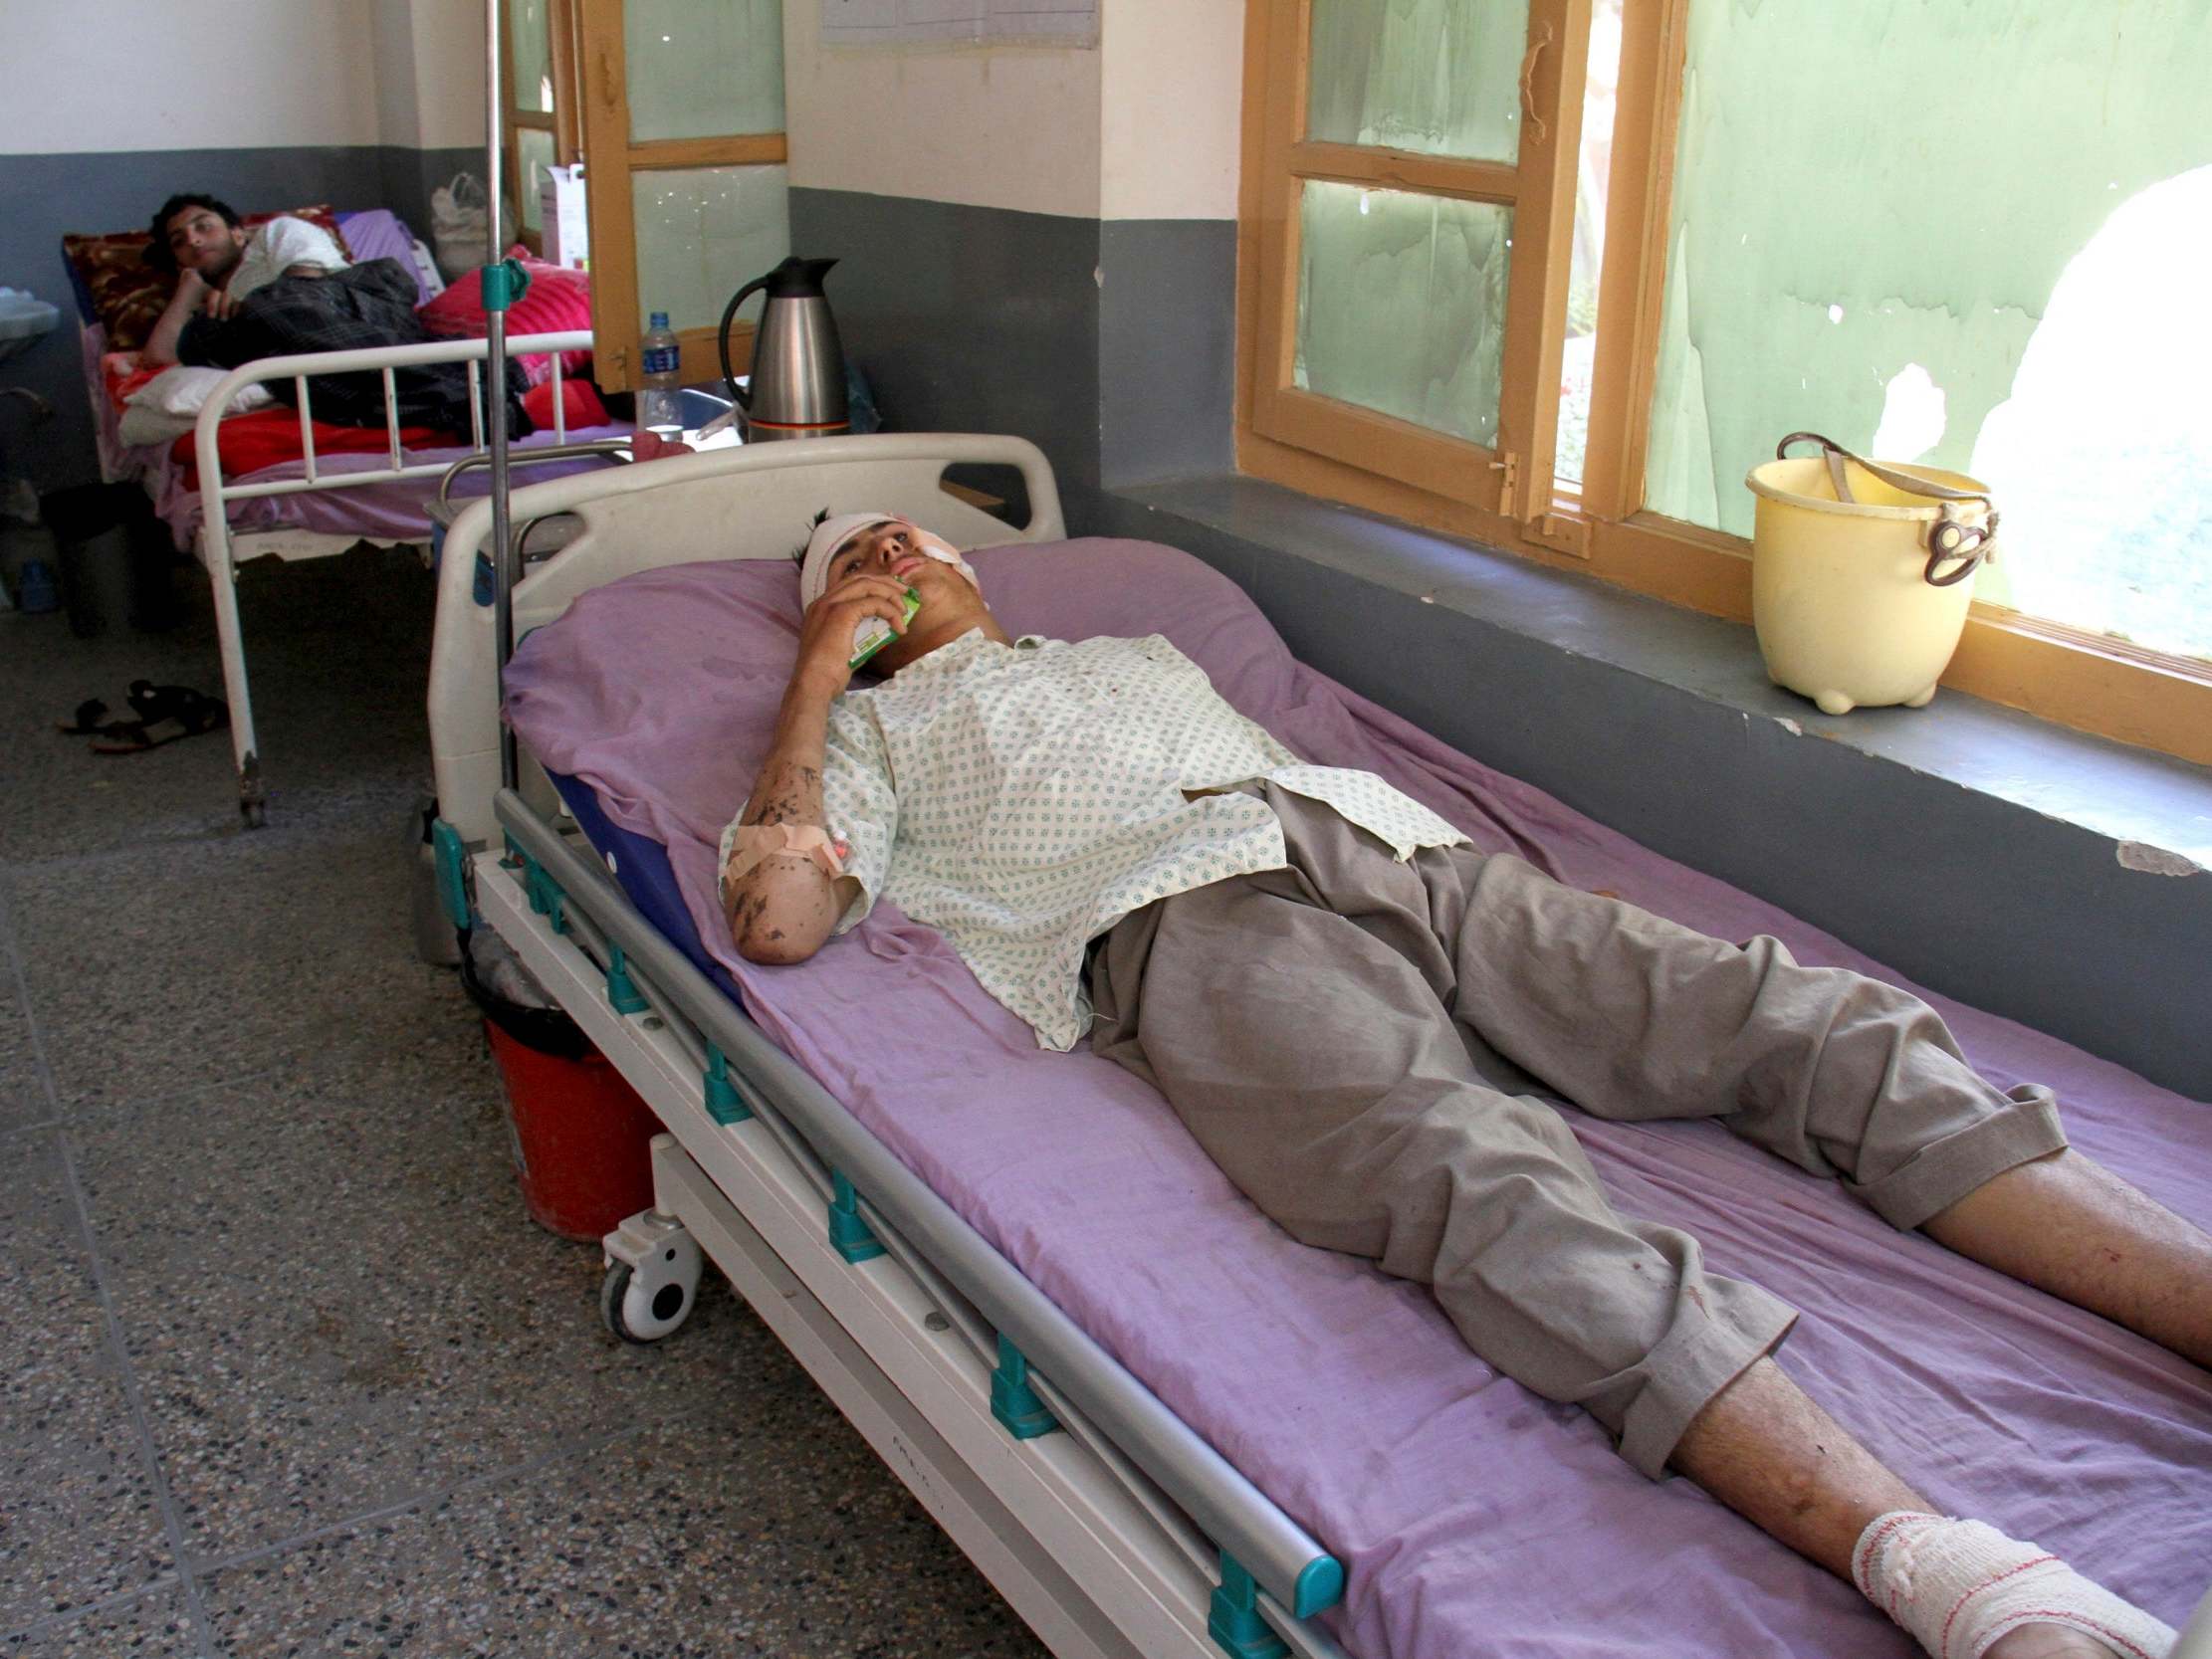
(284, 1368)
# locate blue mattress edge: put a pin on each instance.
(640, 865)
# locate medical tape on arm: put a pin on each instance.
(750, 843)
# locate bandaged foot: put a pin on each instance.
(1958, 1586)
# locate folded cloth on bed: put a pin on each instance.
(1468, 1512)
(363, 306)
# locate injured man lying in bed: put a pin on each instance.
(1359, 1018)
(286, 288)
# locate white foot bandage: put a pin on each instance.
(1958, 1586)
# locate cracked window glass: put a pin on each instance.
(1402, 305)
(701, 69)
(528, 34)
(1438, 76)
(1975, 237)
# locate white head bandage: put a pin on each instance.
(275, 248)
(831, 535)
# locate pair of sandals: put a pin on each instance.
(164, 714)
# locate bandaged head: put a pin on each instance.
(833, 536)
(280, 246)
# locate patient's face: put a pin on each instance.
(200, 241)
(951, 607)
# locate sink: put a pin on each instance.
(23, 319)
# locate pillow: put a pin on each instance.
(169, 405)
(558, 299)
(120, 289)
(661, 690)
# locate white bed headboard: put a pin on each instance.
(752, 501)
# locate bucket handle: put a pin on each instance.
(1947, 537)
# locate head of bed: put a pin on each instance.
(755, 501)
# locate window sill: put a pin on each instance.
(1914, 834)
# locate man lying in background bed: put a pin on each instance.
(286, 286)
(1355, 1014)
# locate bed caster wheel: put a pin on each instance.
(652, 1278)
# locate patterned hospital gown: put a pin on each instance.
(1022, 799)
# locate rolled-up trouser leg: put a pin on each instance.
(1314, 1061)
(1632, 1016)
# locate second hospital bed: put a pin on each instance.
(966, 1238)
(277, 484)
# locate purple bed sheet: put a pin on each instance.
(1472, 1515)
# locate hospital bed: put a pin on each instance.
(300, 498)
(1155, 1422)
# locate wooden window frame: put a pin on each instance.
(609, 160)
(2064, 674)
(1536, 187)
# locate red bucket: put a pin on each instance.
(580, 1135)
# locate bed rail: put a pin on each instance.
(218, 494)
(1254, 1536)
(216, 491)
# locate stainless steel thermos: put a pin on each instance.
(798, 385)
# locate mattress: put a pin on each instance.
(1470, 1515)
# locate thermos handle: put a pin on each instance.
(741, 395)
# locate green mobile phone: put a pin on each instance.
(874, 633)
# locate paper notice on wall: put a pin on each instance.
(960, 22)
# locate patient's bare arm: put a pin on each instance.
(785, 907)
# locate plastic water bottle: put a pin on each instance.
(659, 407)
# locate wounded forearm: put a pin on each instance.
(784, 906)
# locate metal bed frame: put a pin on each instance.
(1122, 1534)
(221, 550)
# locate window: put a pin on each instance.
(684, 165)
(1779, 228)
(540, 117)
(1411, 193)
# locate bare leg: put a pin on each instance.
(2067, 1225)
(1766, 1450)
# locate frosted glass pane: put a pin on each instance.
(703, 233)
(2009, 283)
(1442, 77)
(529, 39)
(704, 68)
(536, 149)
(1402, 305)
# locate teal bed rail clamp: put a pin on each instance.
(847, 1231)
(540, 886)
(452, 861)
(1232, 1617)
(1013, 1401)
(622, 992)
(723, 1104)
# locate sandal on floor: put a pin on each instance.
(165, 713)
(85, 722)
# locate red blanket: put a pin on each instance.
(261, 438)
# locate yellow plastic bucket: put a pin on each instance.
(1858, 574)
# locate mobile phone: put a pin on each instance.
(874, 633)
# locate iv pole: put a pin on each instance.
(504, 281)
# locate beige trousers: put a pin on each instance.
(1362, 1046)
